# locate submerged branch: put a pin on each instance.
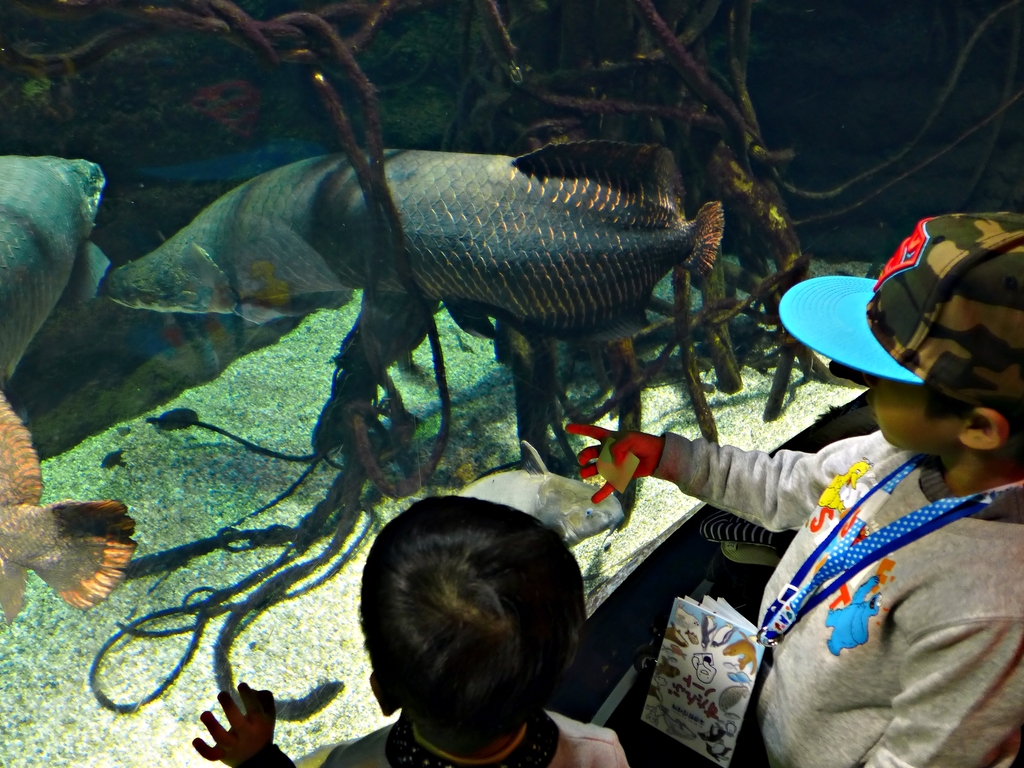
(997, 127)
(77, 59)
(689, 114)
(910, 171)
(940, 102)
(739, 48)
(697, 78)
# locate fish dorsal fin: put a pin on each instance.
(638, 184)
(531, 462)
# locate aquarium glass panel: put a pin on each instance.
(272, 270)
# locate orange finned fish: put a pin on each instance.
(79, 548)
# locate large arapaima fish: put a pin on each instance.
(568, 240)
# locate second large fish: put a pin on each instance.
(47, 207)
(568, 240)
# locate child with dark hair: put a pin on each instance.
(471, 612)
(896, 616)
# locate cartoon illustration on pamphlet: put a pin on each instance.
(716, 745)
(704, 666)
(665, 669)
(666, 719)
(701, 685)
(745, 652)
(682, 639)
(732, 696)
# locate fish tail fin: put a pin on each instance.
(707, 240)
(95, 550)
(12, 589)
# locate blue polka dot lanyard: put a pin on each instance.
(845, 551)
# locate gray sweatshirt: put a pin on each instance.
(918, 661)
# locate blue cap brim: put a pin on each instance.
(829, 315)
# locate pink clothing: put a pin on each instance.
(580, 745)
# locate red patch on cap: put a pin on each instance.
(908, 254)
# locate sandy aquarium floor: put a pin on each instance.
(185, 485)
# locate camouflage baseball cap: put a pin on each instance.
(947, 310)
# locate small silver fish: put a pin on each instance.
(561, 504)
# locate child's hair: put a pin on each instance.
(471, 611)
(940, 404)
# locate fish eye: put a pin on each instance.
(590, 512)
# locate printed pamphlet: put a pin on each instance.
(704, 677)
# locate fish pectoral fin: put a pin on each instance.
(90, 267)
(276, 268)
(707, 241)
(204, 283)
(646, 174)
(257, 313)
(531, 461)
(472, 318)
(12, 588)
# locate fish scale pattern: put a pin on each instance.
(47, 205)
(569, 240)
(18, 248)
(561, 252)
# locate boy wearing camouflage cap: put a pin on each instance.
(897, 613)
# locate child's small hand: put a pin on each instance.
(647, 448)
(250, 732)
